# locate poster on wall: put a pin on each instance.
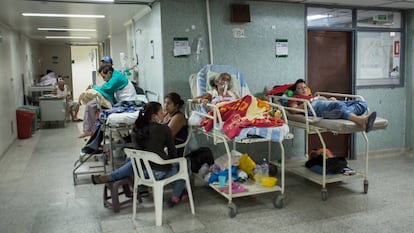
(181, 46)
(281, 47)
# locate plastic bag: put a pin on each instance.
(247, 164)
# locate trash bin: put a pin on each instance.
(24, 123)
(35, 121)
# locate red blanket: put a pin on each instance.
(247, 111)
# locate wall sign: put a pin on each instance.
(281, 47)
(181, 46)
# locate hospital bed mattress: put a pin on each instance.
(335, 125)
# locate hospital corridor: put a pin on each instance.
(206, 116)
(38, 195)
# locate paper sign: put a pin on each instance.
(181, 46)
(281, 47)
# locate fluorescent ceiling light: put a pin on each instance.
(67, 29)
(63, 15)
(314, 17)
(67, 37)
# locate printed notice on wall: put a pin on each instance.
(281, 47)
(181, 46)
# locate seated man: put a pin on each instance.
(114, 82)
(72, 107)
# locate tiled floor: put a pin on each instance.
(37, 195)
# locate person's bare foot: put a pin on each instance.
(85, 134)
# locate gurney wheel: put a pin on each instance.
(278, 201)
(232, 210)
(324, 194)
(365, 186)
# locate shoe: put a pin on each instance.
(370, 121)
(172, 201)
(99, 179)
(184, 196)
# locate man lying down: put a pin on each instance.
(332, 108)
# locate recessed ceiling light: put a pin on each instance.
(67, 29)
(67, 37)
(63, 15)
(314, 17)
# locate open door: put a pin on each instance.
(329, 69)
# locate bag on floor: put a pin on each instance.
(199, 157)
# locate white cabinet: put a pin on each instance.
(52, 109)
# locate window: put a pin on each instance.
(329, 17)
(378, 49)
(378, 58)
(378, 19)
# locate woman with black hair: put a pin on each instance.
(150, 135)
(175, 119)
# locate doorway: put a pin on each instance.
(84, 65)
(329, 69)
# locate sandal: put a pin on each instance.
(172, 201)
(184, 196)
(370, 121)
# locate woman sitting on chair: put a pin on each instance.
(332, 108)
(150, 135)
(175, 119)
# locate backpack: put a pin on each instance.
(199, 157)
(334, 165)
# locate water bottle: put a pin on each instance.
(265, 168)
(258, 174)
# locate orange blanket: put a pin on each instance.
(247, 111)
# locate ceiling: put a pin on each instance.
(116, 15)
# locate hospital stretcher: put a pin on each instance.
(316, 125)
(116, 134)
(219, 137)
(199, 84)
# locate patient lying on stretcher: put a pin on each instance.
(331, 108)
(221, 91)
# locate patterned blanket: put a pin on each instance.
(245, 112)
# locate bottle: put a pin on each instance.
(265, 168)
(258, 174)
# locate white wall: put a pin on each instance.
(85, 62)
(118, 45)
(56, 58)
(150, 68)
(18, 63)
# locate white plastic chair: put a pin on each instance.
(140, 161)
(184, 144)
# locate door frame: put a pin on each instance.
(352, 138)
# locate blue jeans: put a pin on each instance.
(126, 171)
(348, 107)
